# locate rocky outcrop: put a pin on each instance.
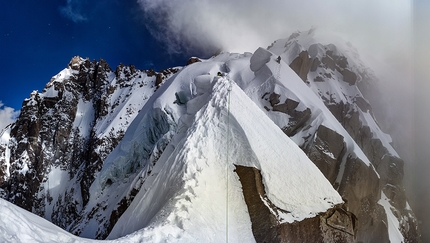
(331, 73)
(193, 60)
(326, 151)
(335, 225)
(301, 65)
(297, 117)
(62, 129)
(264, 223)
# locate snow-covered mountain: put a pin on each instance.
(279, 145)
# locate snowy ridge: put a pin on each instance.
(264, 81)
(197, 165)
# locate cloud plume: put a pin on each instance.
(244, 25)
(381, 31)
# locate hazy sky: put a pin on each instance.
(421, 67)
(381, 27)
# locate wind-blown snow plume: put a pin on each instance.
(381, 31)
(244, 25)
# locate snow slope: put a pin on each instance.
(392, 221)
(188, 192)
(19, 225)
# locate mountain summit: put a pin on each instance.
(279, 145)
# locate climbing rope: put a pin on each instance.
(227, 164)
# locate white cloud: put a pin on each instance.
(72, 11)
(380, 30)
(7, 115)
(381, 27)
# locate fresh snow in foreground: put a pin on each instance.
(19, 225)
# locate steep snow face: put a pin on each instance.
(393, 223)
(195, 195)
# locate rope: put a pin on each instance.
(227, 143)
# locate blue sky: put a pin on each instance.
(38, 39)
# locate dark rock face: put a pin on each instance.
(47, 136)
(48, 122)
(326, 151)
(264, 223)
(349, 76)
(193, 60)
(3, 166)
(359, 183)
(335, 225)
(301, 65)
(298, 118)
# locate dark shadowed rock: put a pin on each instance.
(318, 79)
(363, 104)
(301, 65)
(264, 223)
(315, 64)
(360, 186)
(326, 151)
(193, 60)
(274, 99)
(158, 79)
(335, 225)
(349, 76)
(328, 62)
